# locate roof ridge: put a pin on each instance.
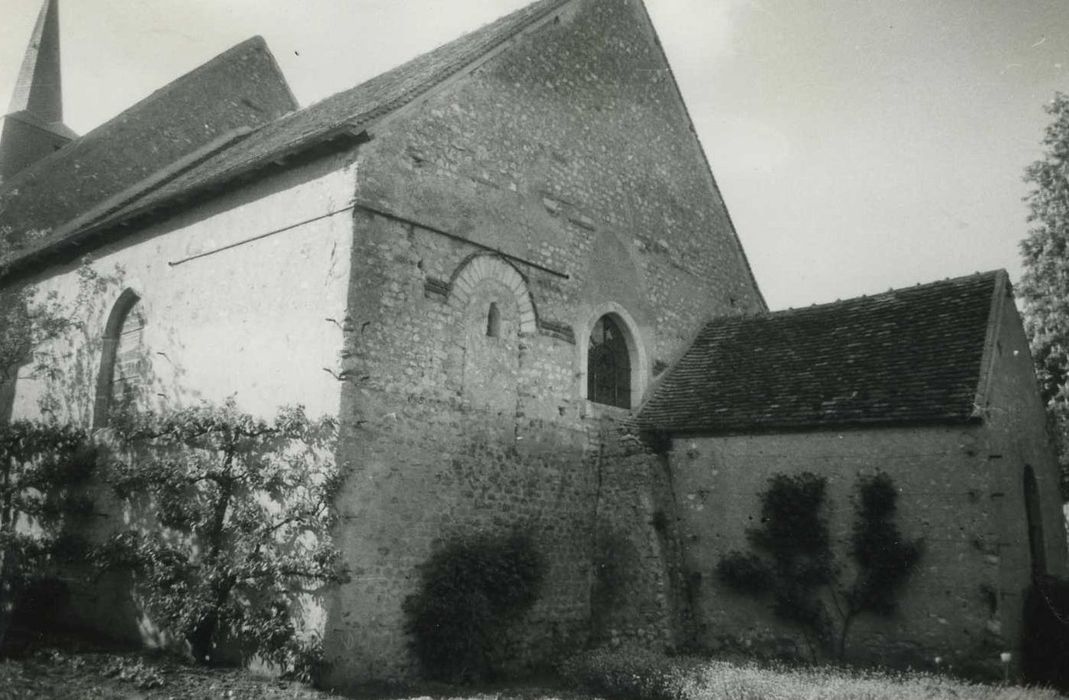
(427, 57)
(918, 287)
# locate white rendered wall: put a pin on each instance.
(249, 322)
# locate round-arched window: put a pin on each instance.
(608, 365)
(123, 364)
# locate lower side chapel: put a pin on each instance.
(506, 269)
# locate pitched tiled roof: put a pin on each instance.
(241, 87)
(349, 111)
(906, 356)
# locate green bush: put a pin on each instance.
(229, 529)
(1045, 642)
(792, 559)
(469, 593)
(43, 472)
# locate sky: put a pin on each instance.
(859, 144)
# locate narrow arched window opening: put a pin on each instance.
(493, 321)
(1034, 515)
(608, 365)
(122, 361)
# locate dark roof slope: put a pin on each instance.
(241, 87)
(357, 107)
(906, 356)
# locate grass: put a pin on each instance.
(642, 675)
(614, 675)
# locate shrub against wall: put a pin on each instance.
(43, 471)
(232, 517)
(469, 593)
(792, 560)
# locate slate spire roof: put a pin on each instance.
(905, 356)
(33, 126)
(38, 89)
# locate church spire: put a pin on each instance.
(38, 90)
(33, 127)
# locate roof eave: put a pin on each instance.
(328, 141)
(773, 428)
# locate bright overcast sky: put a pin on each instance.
(860, 145)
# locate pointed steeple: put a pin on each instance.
(33, 127)
(39, 90)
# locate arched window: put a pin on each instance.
(1035, 522)
(493, 321)
(122, 361)
(608, 374)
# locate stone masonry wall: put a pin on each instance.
(1015, 423)
(570, 151)
(948, 489)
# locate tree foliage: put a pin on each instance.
(43, 472)
(470, 591)
(792, 559)
(793, 562)
(1044, 287)
(231, 529)
(884, 558)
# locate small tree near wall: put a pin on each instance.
(233, 517)
(793, 561)
(43, 470)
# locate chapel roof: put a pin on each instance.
(909, 356)
(345, 113)
(240, 88)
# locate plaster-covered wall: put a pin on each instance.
(948, 494)
(261, 321)
(1016, 422)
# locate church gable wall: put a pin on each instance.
(949, 494)
(1016, 438)
(569, 153)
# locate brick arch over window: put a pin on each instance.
(123, 327)
(482, 267)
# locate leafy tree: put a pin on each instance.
(1044, 287)
(27, 322)
(792, 560)
(235, 515)
(43, 469)
(794, 563)
(884, 559)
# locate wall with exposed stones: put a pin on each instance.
(559, 180)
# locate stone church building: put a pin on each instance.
(507, 270)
